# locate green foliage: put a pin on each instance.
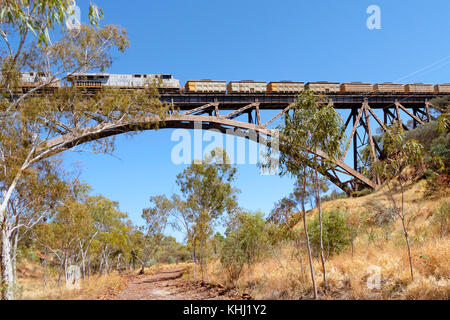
(362, 193)
(311, 125)
(334, 195)
(41, 16)
(425, 134)
(336, 232)
(441, 218)
(441, 148)
(442, 106)
(245, 242)
(378, 214)
(399, 153)
(437, 162)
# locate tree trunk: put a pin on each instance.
(322, 258)
(311, 267)
(300, 258)
(194, 258)
(14, 256)
(409, 249)
(44, 282)
(142, 271)
(405, 229)
(6, 265)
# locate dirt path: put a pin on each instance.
(169, 285)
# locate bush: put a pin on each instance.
(245, 242)
(361, 193)
(425, 134)
(441, 148)
(171, 260)
(378, 214)
(441, 218)
(335, 232)
(150, 263)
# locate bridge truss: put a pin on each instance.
(362, 114)
(241, 115)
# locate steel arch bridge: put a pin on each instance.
(219, 111)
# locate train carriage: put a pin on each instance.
(419, 88)
(247, 86)
(356, 87)
(388, 87)
(324, 87)
(285, 87)
(209, 86)
(442, 88)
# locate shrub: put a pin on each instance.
(378, 214)
(245, 242)
(171, 260)
(441, 218)
(335, 232)
(362, 193)
(441, 148)
(425, 134)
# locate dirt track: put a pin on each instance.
(169, 285)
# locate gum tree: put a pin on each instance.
(400, 154)
(34, 126)
(310, 125)
(206, 194)
(155, 222)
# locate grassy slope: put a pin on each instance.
(279, 276)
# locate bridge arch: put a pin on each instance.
(187, 121)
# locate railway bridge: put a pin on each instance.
(241, 115)
(363, 113)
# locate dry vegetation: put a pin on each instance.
(278, 276)
(31, 275)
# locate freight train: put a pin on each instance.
(166, 83)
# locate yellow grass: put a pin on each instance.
(92, 289)
(278, 276)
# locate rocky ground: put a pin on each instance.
(170, 285)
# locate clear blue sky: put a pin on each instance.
(259, 40)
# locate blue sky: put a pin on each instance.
(259, 40)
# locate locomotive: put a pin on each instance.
(166, 83)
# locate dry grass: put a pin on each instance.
(31, 288)
(30, 285)
(279, 276)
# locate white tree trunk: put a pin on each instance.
(6, 266)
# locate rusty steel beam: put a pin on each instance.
(277, 116)
(408, 112)
(238, 112)
(202, 108)
(352, 135)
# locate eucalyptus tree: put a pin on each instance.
(400, 153)
(111, 228)
(155, 223)
(206, 194)
(284, 214)
(312, 124)
(34, 126)
(24, 212)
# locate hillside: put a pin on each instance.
(278, 276)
